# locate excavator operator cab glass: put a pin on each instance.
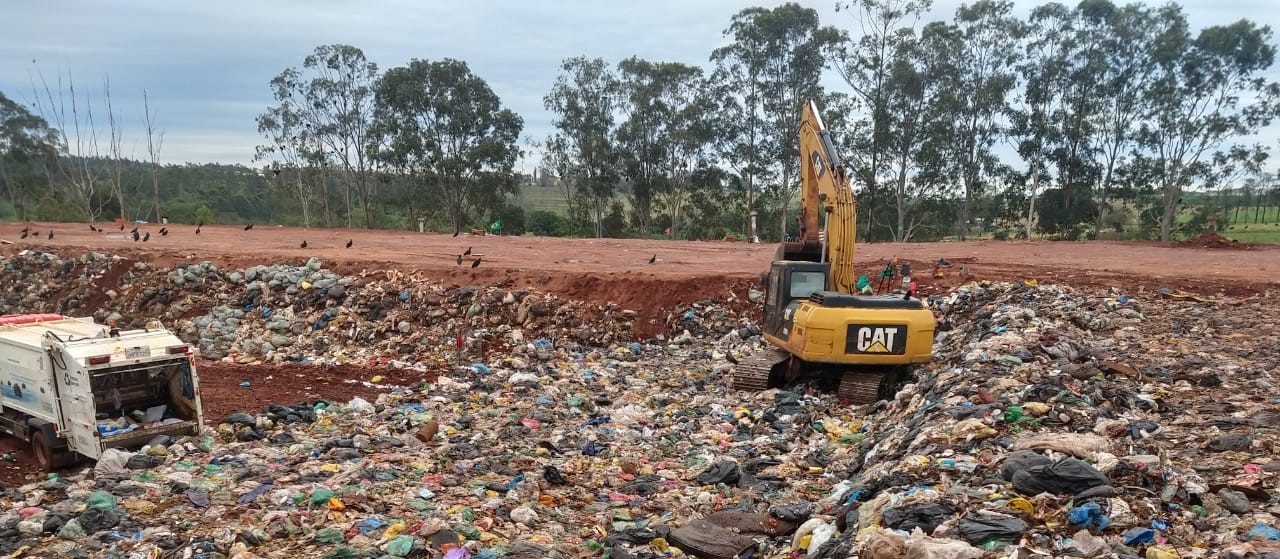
(804, 284)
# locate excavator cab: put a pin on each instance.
(790, 282)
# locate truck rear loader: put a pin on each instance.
(74, 388)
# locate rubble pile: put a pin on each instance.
(1053, 423)
(308, 314)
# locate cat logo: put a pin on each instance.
(876, 339)
(817, 164)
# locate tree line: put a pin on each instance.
(1071, 122)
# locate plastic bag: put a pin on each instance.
(1064, 477)
(721, 472)
(982, 527)
(926, 516)
(102, 500)
(400, 546)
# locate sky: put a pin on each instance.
(206, 65)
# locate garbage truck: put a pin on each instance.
(74, 388)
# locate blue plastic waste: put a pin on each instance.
(1089, 515)
(591, 449)
(1261, 530)
(1136, 536)
(370, 524)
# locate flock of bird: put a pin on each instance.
(144, 236)
(164, 232)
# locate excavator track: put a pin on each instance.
(860, 388)
(752, 374)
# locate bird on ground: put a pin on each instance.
(147, 237)
(164, 231)
(349, 241)
(92, 228)
(198, 226)
(304, 244)
(459, 259)
(26, 233)
(135, 230)
(136, 236)
(122, 227)
(35, 234)
(653, 259)
(51, 234)
(455, 233)
(468, 252)
(475, 263)
(248, 227)
(26, 229)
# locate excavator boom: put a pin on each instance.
(828, 209)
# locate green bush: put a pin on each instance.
(547, 224)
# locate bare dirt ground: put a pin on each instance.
(603, 270)
(618, 269)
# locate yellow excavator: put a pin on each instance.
(813, 317)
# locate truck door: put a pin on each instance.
(75, 398)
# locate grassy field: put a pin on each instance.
(1254, 233)
(534, 199)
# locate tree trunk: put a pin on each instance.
(1102, 203)
(1170, 210)
(155, 189)
(1031, 204)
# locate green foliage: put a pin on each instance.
(445, 127)
(547, 224)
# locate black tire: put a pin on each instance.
(43, 453)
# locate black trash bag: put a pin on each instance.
(797, 513)
(141, 462)
(1068, 476)
(553, 476)
(925, 516)
(721, 472)
(240, 419)
(635, 535)
(1228, 443)
(1021, 460)
(983, 527)
(96, 519)
(643, 486)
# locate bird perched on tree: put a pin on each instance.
(146, 237)
(248, 227)
(349, 241)
(304, 244)
(468, 252)
(475, 263)
(653, 259)
(51, 234)
(136, 236)
(459, 259)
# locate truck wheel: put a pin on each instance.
(44, 454)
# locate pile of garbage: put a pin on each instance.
(1054, 423)
(307, 314)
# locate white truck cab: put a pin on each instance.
(76, 388)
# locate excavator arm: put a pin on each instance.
(826, 203)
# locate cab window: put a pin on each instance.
(804, 284)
